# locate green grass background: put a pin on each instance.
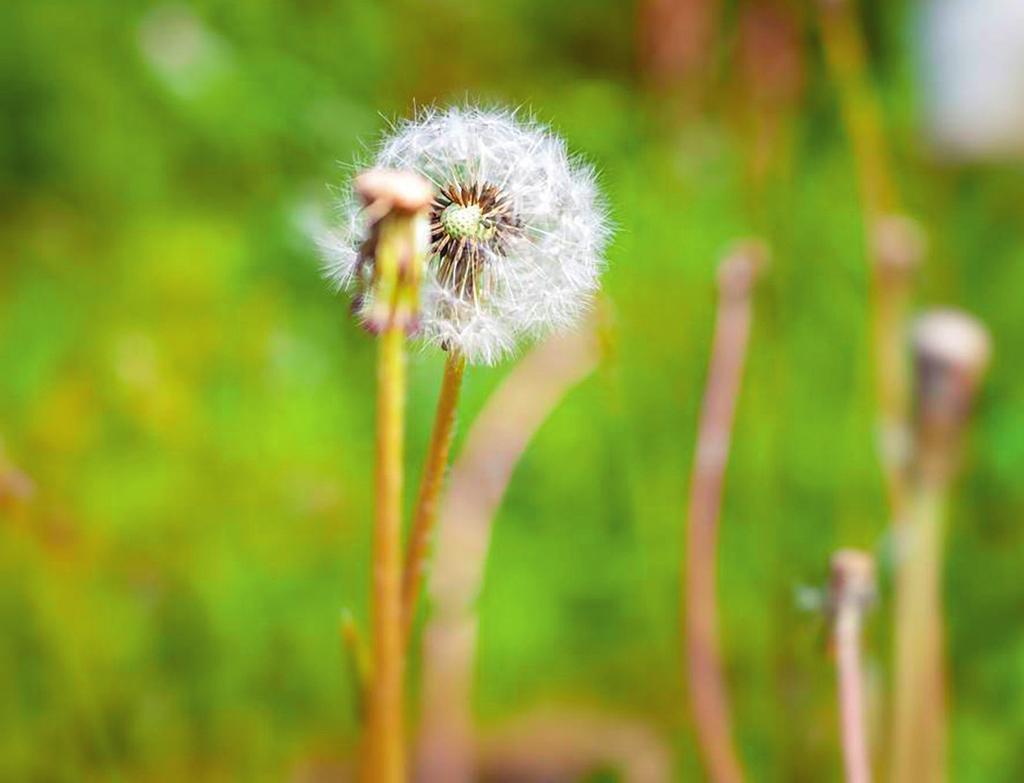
(195, 406)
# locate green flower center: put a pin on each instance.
(460, 221)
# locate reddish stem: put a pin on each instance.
(707, 681)
(853, 589)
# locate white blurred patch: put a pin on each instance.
(973, 60)
(810, 598)
(184, 53)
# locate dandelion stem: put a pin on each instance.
(851, 698)
(951, 353)
(917, 741)
(396, 202)
(852, 589)
(890, 281)
(706, 677)
(385, 751)
(425, 515)
(844, 53)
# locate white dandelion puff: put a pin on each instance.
(518, 230)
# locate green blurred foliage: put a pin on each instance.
(194, 406)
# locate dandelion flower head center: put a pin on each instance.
(471, 224)
(463, 221)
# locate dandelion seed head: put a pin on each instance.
(517, 229)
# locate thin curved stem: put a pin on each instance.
(708, 690)
(425, 515)
(479, 478)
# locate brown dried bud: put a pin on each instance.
(852, 580)
(739, 269)
(898, 244)
(384, 190)
(396, 204)
(951, 352)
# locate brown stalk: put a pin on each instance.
(425, 515)
(770, 81)
(675, 42)
(700, 621)
(497, 440)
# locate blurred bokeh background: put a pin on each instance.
(186, 409)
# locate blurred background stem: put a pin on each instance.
(708, 691)
(446, 749)
(425, 515)
(845, 53)
(357, 659)
(917, 746)
(951, 353)
(852, 590)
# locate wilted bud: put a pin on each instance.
(951, 353)
(898, 244)
(384, 190)
(852, 580)
(392, 256)
(740, 268)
